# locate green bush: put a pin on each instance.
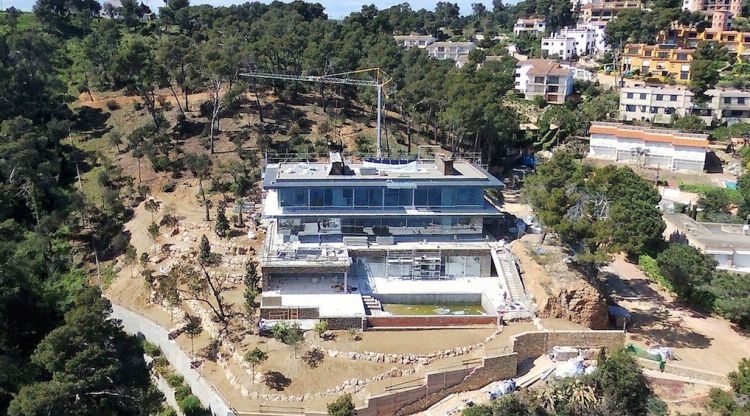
(112, 105)
(191, 406)
(169, 187)
(168, 412)
(181, 392)
(175, 380)
(152, 350)
(649, 266)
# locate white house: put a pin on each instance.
(544, 78)
(729, 244)
(532, 25)
(666, 149)
(586, 39)
(409, 41)
(657, 104)
(449, 50)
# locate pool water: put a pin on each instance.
(445, 309)
(730, 184)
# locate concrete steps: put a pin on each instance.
(371, 304)
(506, 268)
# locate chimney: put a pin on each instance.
(444, 165)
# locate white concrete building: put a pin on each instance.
(660, 104)
(449, 50)
(532, 26)
(655, 104)
(586, 39)
(545, 78)
(666, 149)
(729, 244)
(559, 46)
(409, 41)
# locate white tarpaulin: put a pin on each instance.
(410, 167)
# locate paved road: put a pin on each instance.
(134, 323)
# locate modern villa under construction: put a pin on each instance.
(359, 241)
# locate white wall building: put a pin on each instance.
(667, 149)
(586, 39)
(655, 104)
(545, 78)
(729, 244)
(449, 50)
(660, 104)
(409, 41)
(533, 26)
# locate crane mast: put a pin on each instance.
(377, 83)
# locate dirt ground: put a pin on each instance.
(700, 341)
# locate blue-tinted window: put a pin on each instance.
(420, 197)
(293, 197)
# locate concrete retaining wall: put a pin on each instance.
(429, 321)
(535, 344)
(679, 370)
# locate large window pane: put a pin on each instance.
(405, 197)
(420, 197)
(317, 197)
(434, 197)
(360, 197)
(375, 197)
(391, 197)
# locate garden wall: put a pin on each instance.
(535, 344)
(429, 321)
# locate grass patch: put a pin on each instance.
(26, 21)
(733, 195)
(651, 269)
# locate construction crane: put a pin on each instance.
(379, 83)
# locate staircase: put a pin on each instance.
(371, 304)
(507, 269)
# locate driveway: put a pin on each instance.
(701, 341)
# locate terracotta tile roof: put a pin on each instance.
(650, 135)
(543, 67)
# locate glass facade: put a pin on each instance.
(374, 197)
(379, 226)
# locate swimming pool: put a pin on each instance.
(730, 184)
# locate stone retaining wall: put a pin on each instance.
(493, 368)
(283, 312)
(535, 344)
(429, 321)
(337, 323)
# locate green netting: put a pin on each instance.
(640, 352)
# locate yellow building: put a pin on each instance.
(658, 61)
(689, 37)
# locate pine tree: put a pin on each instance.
(205, 251)
(222, 223)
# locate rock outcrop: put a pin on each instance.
(559, 291)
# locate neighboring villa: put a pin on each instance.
(455, 51)
(569, 43)
(729, 244)
(721, 11)
(345, 237)
(530, 25)
(606, 10)
(658, 61)
(658, 148)
(544, 78)
(409, 41)
(737, 43)
(660, 104)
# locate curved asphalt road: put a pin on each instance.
(137, 324)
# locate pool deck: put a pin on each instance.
(327, 293)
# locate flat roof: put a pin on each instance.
(317, 174)
(714, 237)
(649, 134)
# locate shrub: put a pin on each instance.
(182, 391)
(137, 106)
(175, 380)
(169, 187)
(112, 105)
(649, 266)
(160, 365)
(343, 406)
(191, 406)
(152, 350)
